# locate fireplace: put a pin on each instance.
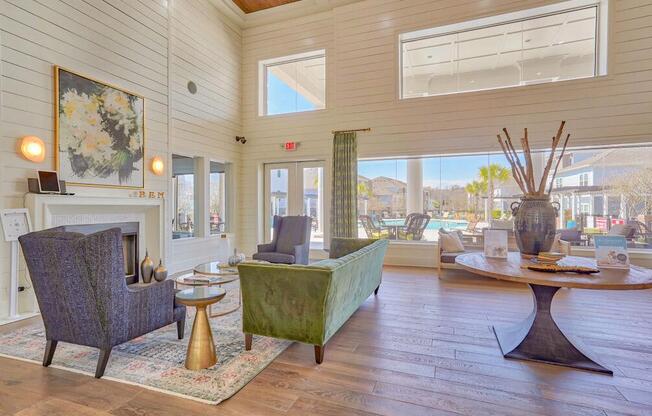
(129, 244)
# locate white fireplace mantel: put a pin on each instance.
(49, 211)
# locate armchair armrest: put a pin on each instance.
(266, 248)
(149, 308)
(301, 253)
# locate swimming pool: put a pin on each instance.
(434, 224)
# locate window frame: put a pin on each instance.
(263, 65)
(601, 37)
(228, 173)
(174, 193)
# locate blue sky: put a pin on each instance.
(454, 170)
(282, 99)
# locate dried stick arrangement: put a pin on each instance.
(524, 175)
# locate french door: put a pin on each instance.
(296, 188)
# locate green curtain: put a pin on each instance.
(344, 205)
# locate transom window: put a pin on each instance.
(293, 84)
(547, 44)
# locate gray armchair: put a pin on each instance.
(291, 242)
(80, 286)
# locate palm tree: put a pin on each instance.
(489, 174)
(475, 189)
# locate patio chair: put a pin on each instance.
(414, 228)
(370, 227)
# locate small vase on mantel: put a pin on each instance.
(160, 273)
(147, 268)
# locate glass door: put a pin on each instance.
(296, 188)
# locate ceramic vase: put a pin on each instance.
(236, 258)
(534, 223)
(160, 273)
(146, 268)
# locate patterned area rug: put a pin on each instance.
(156, 360)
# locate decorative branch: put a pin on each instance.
(561, 155)
(524, 175)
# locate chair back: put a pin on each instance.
(291, 231)
(369, 226)
(75, 279)
(623, 230)
(417, 225)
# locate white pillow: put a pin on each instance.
(450, 242)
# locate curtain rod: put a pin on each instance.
(349, 131)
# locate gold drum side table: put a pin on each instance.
(201, 348)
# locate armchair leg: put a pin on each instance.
(101, 362)
(376, 291)
(50, 347)
(319, 353)
(248, 340)
(181, 328)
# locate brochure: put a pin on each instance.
(611, 252)
(495, 244)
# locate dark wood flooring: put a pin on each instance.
(424, 346)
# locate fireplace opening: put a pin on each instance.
(129, 244)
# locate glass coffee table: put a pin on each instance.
(201, 347)
(211, 274)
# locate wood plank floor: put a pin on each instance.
(424, 346)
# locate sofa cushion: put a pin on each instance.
(450, 242)
(274, 257)
(449, 258)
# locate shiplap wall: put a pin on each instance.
(361, 42)
(127, 43)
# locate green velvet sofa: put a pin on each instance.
(310, 303)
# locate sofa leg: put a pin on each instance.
(181, 328)
(50, 347)
(101, 362)
(248, 340)
(376, 291)
(319, 353)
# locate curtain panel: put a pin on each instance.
(344, 206)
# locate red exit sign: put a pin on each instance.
(290, 146)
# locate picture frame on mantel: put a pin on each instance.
(99, 132)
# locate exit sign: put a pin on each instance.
(290, 146)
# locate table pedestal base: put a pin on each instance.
(538, 338)
(201, 348)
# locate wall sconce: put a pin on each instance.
(32, 148)
(158, 167)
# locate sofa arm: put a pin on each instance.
(266, 248)
(284, 301)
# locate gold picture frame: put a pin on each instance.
(104, 132)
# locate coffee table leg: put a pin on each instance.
(201, 348)
(538, 338)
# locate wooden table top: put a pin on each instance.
(511, 270)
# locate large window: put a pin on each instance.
(217, 204)
(596, 189)
(293, 84)
(183, 188)
(547, 44)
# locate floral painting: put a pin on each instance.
(100, 132)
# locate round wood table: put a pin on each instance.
(538, 338)
(201, 348)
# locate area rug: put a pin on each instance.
(156, 360)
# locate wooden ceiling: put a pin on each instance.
(250, 6)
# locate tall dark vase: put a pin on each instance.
(534, 223)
